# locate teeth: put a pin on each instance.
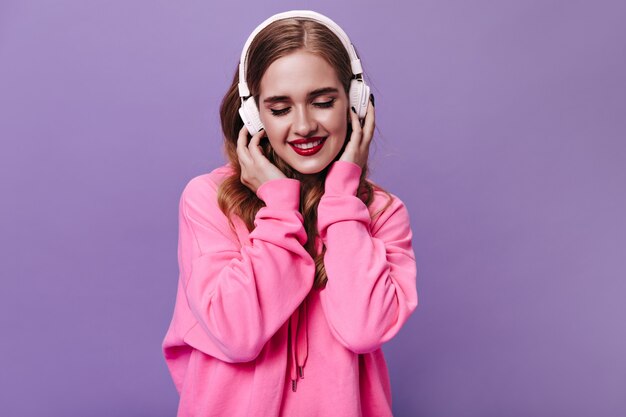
(307, 145)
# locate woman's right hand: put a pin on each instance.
(256, 169)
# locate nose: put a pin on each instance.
(304, 124)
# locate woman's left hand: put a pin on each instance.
(357, 149)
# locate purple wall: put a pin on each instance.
(502, 127)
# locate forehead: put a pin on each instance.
(297, 74)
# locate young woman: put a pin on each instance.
(294, 267)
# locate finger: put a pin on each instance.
(356, 127)
(254, 147)
(242, 146)
(369, 123)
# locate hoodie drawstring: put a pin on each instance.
(298, 343)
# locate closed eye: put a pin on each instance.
(279, 112)
(322, 105)
(325, 104)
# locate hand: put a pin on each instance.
(357, 149)
(255, 167)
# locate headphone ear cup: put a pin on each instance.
(249, 113)
(359, 96)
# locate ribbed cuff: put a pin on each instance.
(280, 193)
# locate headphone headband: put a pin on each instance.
(355, 62)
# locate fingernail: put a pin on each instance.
(372, 100)
(353, 109)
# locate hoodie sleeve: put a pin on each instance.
(371, 289)
(241, 295)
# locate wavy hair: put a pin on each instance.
(277, 40)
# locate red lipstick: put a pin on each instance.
(307, 151)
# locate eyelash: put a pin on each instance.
(324, 105)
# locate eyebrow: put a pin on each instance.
(314, 93)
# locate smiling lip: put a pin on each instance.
(309, 151)
(309, 140)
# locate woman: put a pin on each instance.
(294, 268)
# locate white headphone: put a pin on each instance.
(359, 90)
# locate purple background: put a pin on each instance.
(501, 125)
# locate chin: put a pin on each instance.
(312, 165)
(309, 170)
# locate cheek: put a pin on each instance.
(274, 127)
(337, 121)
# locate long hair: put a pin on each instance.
(277, 40)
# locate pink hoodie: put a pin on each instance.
(251, 337)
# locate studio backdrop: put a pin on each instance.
(499, 124)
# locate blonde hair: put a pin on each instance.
(277, 40)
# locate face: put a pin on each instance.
(304, 109)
